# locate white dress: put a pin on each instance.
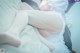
(58, 5)
(58, 41)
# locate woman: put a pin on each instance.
(37, 19)
(17, 27)
(53, 35)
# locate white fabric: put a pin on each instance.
(58, 41)
(58, 5)
(61, 6)
(8, 9)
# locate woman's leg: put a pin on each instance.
(46, 20)
(18, 25)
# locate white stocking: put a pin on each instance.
(11, 36)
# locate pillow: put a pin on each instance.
(7, 12)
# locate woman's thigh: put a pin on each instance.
(47, 20)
